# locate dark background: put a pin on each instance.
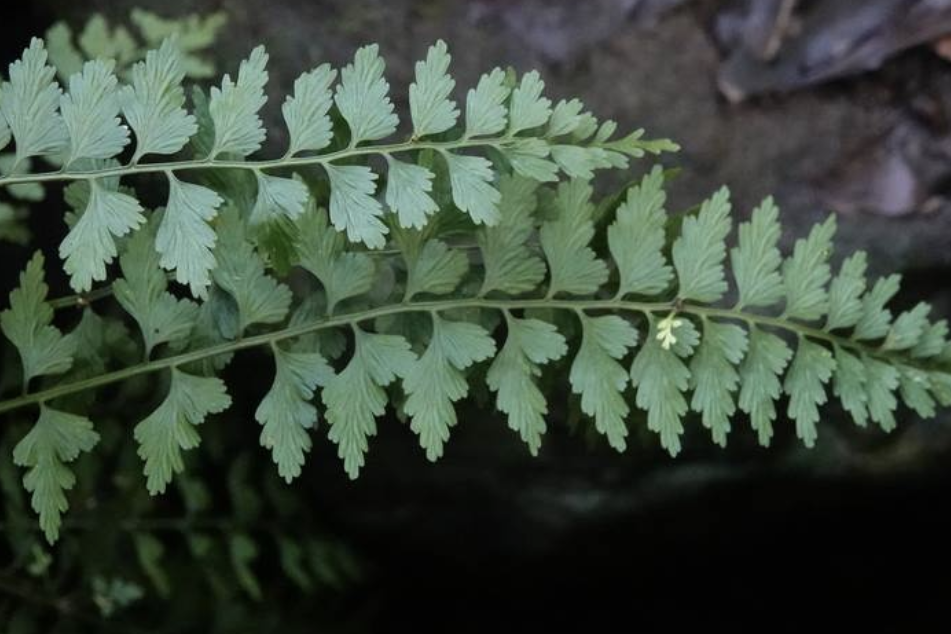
(843, 106)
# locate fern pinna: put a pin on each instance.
(482, 258)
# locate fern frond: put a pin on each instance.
(694, 356)
(475, 267)
(84, 125)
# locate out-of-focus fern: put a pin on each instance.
(194, 34)
(475, 257)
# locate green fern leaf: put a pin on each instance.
(90, 244)
(807, 272)
(632, 145)
(637, 237)
(849, 385)
(914, 386)
(171, 428)
(353, 207)
(30, 106)
(28, 325)
(907, 329)
(184, 239)
(355, 397)
(760, 385)
(91, 114)
(142, 292)
(98, 341)
(436, 380)
(306, 112)
(511, 266)
(934, 339)
(342, 274)
(56, 438)
(240, 273)
(811, 368)
(362, 97)
(715, 378)
(574, 266)
(530, 344)
(408, 189)
(566, 118)
(579, 162)
(661, 378)
(431, 109)
(699, 252)
(880, 385)
(470, 178)
(278, 198)
(286, 413)
(529, 158)
(528, 108)
(599, 379)
(436, 269)
(756, 260)
(876, 319)
(234, 108)
(845, 293)
(485, 105)
(153, 103)
(940, 385)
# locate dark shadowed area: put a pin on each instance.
(832, 106)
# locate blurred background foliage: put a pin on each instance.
(828, 104)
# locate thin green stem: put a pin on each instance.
(353, 319)
(81, 300)
(263, 164)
